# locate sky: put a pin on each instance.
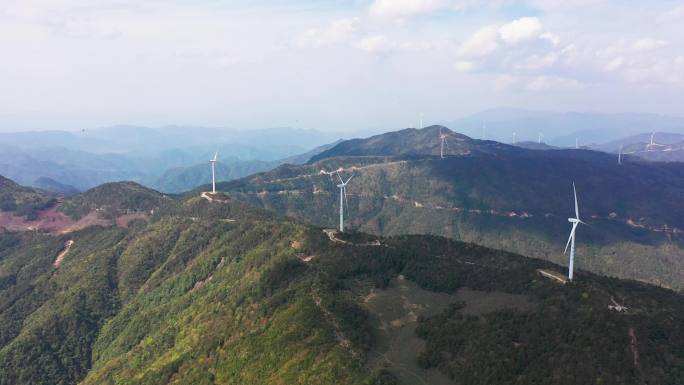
(331, 64)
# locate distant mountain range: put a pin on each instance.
(170, 158)
(154, 157)
(666, 147)
(562, 128)
(492, 194)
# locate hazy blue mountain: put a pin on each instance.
(562, 128)
(667, 147)
(183, 179)
(271, 143)
(169, 158)
(49, 184)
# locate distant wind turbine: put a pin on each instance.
(514, 135)
(213, 173)
(652, 144)
(576, 143)
(443, 139)
(343, 199)
(620, 155)
(484, 131)
(571, 241)
(421, 120)
(539, 139)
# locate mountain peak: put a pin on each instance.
(407, 142)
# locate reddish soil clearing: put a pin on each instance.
(55, 221)
(124, 220)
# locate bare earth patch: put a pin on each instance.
(395, 312)
(54, 221)
(63, 253)
(126, 219)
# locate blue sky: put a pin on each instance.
(333, 64)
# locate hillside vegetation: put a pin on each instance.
(111, 199)
(221, 293)
(23, 201)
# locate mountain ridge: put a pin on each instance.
(216, 291)
(497, 195)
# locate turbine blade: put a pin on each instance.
(572, 234)
(345, 183)
(338, 175)
(576, 205)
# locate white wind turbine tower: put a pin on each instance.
(571, 241)
(620, 155)
(576, 143)
(484, 131)
(539, 139)
(421, 120)
(213, 173)
(443, 139)
(650, 146)
(343, 199)
(514, 136)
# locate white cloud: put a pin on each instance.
(615, 64)
(544, 83)
(520, 30)
(489, 38)
(647, 44)
(555, 40)
(406, 8)
(464, 66)
(536, 62)
(481, 43)
(338, 31)
(674, 14)
(505, 81)
(376, 44)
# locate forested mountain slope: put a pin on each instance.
(493, 194)
(211, 291)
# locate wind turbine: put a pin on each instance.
(213, 173)
(443, 138)
(576, 143)
(343, 199)
(514, 134)
(484, 130)
(652, 144)
(571, 241)
(421, 120)
(620, 155)
(539, 138)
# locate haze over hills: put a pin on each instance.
(153, 157)
(666, 147)
(170, 157)
(562, 128)
(492, 194)
(182, 179)
(206, 289)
